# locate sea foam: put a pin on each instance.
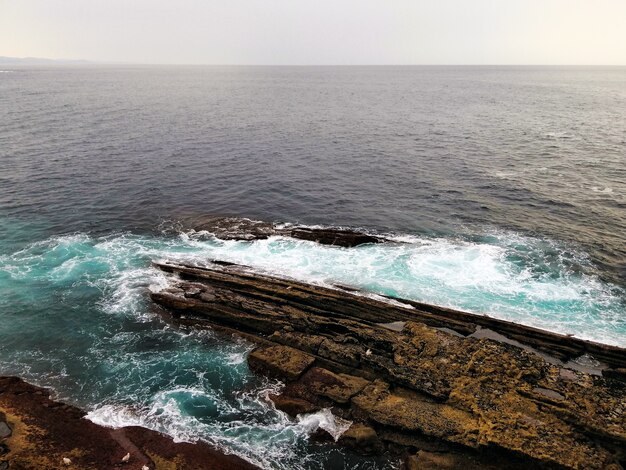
(83, 323)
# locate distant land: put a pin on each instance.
(39, 61)
(7, 60)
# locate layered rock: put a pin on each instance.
(235, 228)
(418, 378)
(38, 433)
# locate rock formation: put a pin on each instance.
(235, 228)
(37, 433)
(444, 388)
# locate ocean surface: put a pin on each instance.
(504, 187)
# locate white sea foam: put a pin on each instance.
(498, 276)
(238, 436)
(115, 416)
(403, 238)
(605, 190)
(326, 420)
(234, 359)
(270, 444)
(507, 275)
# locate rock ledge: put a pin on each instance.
(436, 385)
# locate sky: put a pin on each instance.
(317, 32)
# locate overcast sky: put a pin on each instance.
(317, 31)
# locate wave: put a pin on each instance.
(77, 318)
(324, 419)
(523, 279)
(251, 427)
(528, 280)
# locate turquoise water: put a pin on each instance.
(77, 317)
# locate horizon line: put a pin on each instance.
(86, 62)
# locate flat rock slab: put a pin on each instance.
(394, 325)
(411, 412)
(425, 460)
(361, 437)
(293, 406)
(348, 355)
(338, 387)
(280, 361)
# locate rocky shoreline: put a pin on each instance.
(37, 433)
(439, 387)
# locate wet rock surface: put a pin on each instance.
(428, 388)
(280, 361)
(363, 438)
(44, 432)
(235, 228)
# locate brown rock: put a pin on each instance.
(425, 460)
(44, 432)
(347, 354)
(292, 406)
(411, 463)
(338, 387)
(361, 437)
(305, 342)
(280, 361)
(490, 393)
(410, 411)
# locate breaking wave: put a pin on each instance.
(78, 319)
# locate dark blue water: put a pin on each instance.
(506, 185)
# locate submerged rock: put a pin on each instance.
(428, 384)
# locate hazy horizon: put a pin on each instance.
(351, 32)
(87, 62)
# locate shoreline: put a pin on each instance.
(421, 382)
(37, 432)
(415, 382)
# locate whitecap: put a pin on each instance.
(605, 190)
(326, 420)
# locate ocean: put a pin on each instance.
(504, 189)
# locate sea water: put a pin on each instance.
(77, 317)
(502, 190)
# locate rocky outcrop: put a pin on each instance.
(327, 236)
(38, 433)
(235, 228)
(447, 387)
